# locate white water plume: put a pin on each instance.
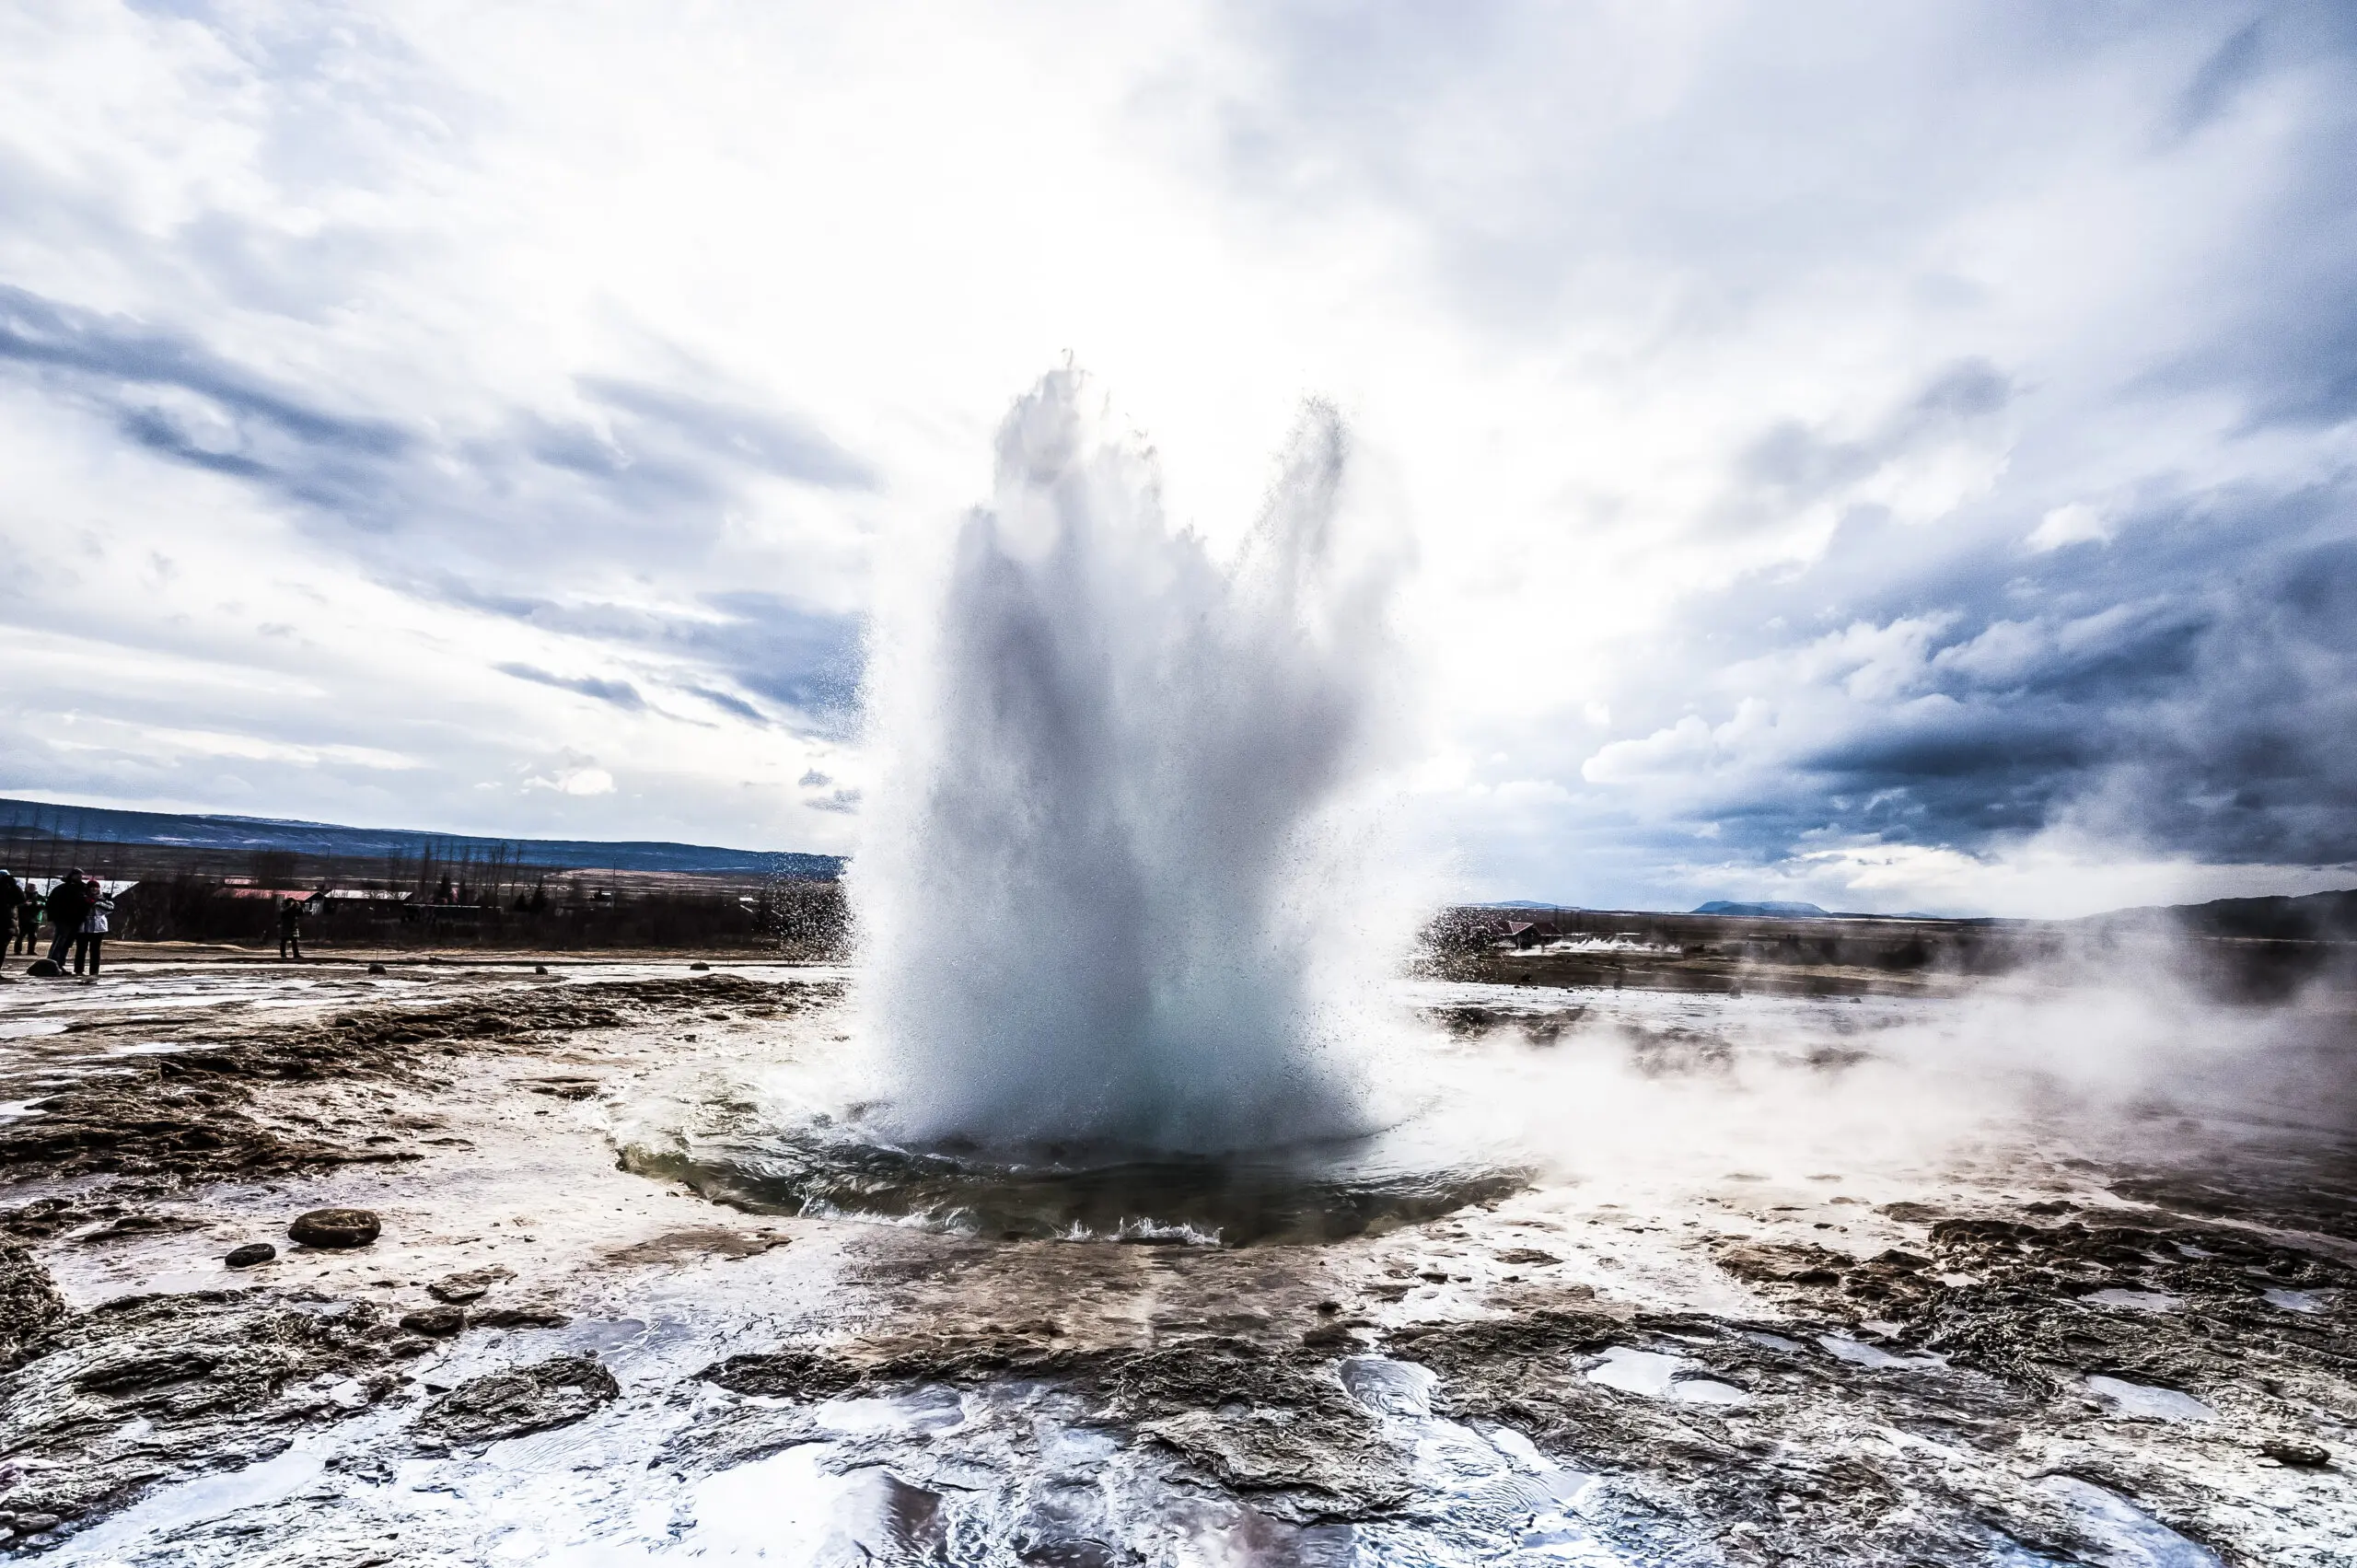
(1111, 892)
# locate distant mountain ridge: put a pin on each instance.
(2311, 917)
(2326, 917)
(1771, 909)
(104, 825)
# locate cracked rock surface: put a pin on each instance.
(2016, 1347)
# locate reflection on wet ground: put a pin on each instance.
(1704, 1280)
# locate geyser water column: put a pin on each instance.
(1106, 893)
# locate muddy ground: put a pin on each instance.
(547, 1356)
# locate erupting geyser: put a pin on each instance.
(1110, 860)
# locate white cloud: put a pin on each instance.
(421, 343)
(2075, 524)
(581, 780)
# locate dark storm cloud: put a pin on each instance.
(2180, 677)
(2189, 687)
(656, 456)
(620, 693)
(2222, 76)
(1792, 464)
(776, 445)
(653, 473)
(2287, 343)
(806, 661)
(734, 706)
(115, 360)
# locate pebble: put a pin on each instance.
(335, 1227)
(251, 1253)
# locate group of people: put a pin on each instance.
(76, 907)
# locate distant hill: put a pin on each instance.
(99, 825)
(1763, 911)
(2327, 917)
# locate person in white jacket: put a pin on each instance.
(93, 934)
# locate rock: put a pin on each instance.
(539, 968)
(375, 969)
(34, 1524)
(29, 1305)
(251, 1253)
(526, 1315)
(2290, 1451)
(436, 1322)
(472, 1285)
(523, 1398)
(1781, 1264)
(407, 1345)
(45, 968)
(335, 1227)
(218, 1379)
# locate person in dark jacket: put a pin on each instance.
(12, 899)
(69, 905)
(290, 929)
(94, 927)
(27, 920)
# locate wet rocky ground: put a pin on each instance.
(1760, 1305)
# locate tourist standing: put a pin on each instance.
(12, 901)
(69, 906)
(28, 920)
(94, 927)
(290, 929)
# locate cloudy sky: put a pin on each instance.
(1897, 456)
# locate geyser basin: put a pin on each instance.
(1306, 1194)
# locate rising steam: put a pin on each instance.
(1113, 827)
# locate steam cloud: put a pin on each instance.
(1116, 807)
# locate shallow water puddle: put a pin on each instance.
(2142, 1400)
(1857, 1352)
(1657, 1375)
(199, 1502)
(2132, 1538)
(2133, 1300)
(2296, 1300)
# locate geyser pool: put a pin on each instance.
(1111, 853)
(1297, 1195)
(1123, 948)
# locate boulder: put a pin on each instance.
(250, 1254)
(335, 1227)
(2291, 1451)
(435, 1322)
(46, 968)
(521, 1399)
(472, 1285)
